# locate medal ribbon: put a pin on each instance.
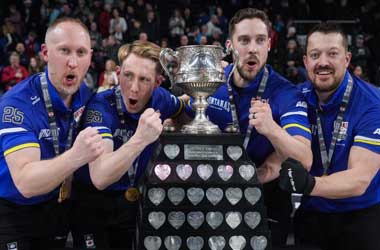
(132, 170)
(235, 122)
(65, 189)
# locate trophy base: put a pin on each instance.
(200, 127)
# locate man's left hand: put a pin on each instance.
(294, 178)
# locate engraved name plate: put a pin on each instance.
(203, 152)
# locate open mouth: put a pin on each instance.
(70, 78)
(132, 101)
(252, 64)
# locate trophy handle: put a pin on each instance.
(170, 63)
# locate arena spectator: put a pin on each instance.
(14, 73)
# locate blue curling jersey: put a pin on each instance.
(102, 114)
(289, 110)
(360, 127)
(25, 124)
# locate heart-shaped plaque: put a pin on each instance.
(156, 219)
(176, 195)
(233, 219)
(234, 152)
(214, 219)
(225, 172)
(237, 242)
(234, 195)
(204, 171)
(247, 171)
(195, 219)
(176, 219)
(216, 242)
(195, 243)
(173, 242)
(252, 219)
(152, 242)
(184, 171)
(171, 151)
(156, 195)
(252, 195)
(259, 242)
(195, 195)
(162, 171)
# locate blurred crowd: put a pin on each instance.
(178, 23)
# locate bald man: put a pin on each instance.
(40, 143)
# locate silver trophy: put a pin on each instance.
(198, 71)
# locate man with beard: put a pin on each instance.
(129, 119)
(39, 123)
(267, 108)
(341, 203)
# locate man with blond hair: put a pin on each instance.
(129, 119)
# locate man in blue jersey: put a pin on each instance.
(266, 107)
(129, 119)
(40, 144)
(341, 203)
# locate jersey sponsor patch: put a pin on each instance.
(342, 135)
(301, 104)
(94, 116)
(78, 114)
(219, 104)
(12, 115)
(35, 99)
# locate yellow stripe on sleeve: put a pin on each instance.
(298, 126)
(181, 107)
(368, 142)
(25, 145)
(106, 135)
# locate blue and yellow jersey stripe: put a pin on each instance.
(21, 146)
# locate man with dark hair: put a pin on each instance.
(38, 127)
(129, 120)
(340, 209)
(265, 107)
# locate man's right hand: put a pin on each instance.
(149, 127)
(88, 145)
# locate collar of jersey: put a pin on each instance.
(335, 100)
(252, 86)
(56, 100)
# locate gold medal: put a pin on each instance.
(132, 194)
(65, 189)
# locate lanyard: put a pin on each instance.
(52, 122)
(235, 122)
(65, 189)
(131, 171)
(326, 158)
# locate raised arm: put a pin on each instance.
(112, 165)
(33, 176)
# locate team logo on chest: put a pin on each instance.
(342, 134)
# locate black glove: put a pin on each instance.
(294, 178)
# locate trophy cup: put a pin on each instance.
(201, 190)
(198, 71)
